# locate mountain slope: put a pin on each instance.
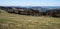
(15, 21)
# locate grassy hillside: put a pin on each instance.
(15, 21)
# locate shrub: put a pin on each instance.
(0, 11)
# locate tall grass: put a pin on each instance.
(15, 21)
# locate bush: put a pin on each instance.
(0, 11)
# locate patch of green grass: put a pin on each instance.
(15, 21)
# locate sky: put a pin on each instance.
(29, 2)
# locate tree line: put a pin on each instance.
(33, 12)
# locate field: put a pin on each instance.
(16, 21)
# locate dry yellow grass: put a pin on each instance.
(15, 21)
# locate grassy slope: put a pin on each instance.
(15, 21)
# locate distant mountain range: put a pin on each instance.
(40, 8)
(36, 6)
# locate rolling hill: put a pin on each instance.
(16, 21)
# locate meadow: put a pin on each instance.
(16, 21)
